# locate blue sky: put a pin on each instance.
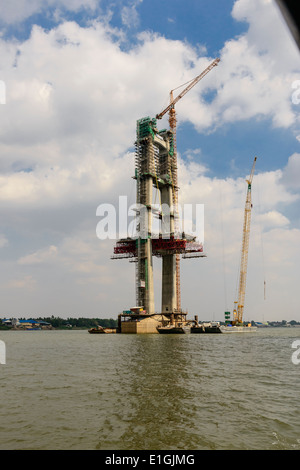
(196, 22)
(78, 75)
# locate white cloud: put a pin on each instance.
(16, 11)
(69, 112)
(291, 173)
(40, 256)
(130, 15)
(3, 240)
(273, 218)
(27, 283)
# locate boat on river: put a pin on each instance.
(237, 329)
(208, 327)
(173, 329)
(215, 327)
(101, 330)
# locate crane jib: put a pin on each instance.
(188, 88)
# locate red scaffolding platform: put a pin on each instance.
(127, 248)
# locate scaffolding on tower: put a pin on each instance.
(156, 166)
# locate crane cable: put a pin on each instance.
(261, 238)
(223, 248)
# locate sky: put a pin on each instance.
(75, 76)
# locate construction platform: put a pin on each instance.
(185, 245)
(138, 321)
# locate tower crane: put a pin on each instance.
(172, 123)
(239, 304)
(192, 83)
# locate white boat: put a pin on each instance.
(237, 329)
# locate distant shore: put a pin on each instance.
(82, 323)
(56, 323)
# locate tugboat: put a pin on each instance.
(173, 329)
(100, 330)
(211, 327)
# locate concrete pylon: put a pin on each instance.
(145, 171)
(169, 301)
(148, 259)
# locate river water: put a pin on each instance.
(69, 390)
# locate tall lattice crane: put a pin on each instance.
(172, 123)
(239, 304)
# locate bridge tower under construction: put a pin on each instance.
(155, 167)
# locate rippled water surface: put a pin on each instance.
(71, 390)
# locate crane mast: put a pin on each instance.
(239, 304)
(172, 123)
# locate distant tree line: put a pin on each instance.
(86, 323)
(81, 322)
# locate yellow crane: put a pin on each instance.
(172, 122)
(239, 304)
